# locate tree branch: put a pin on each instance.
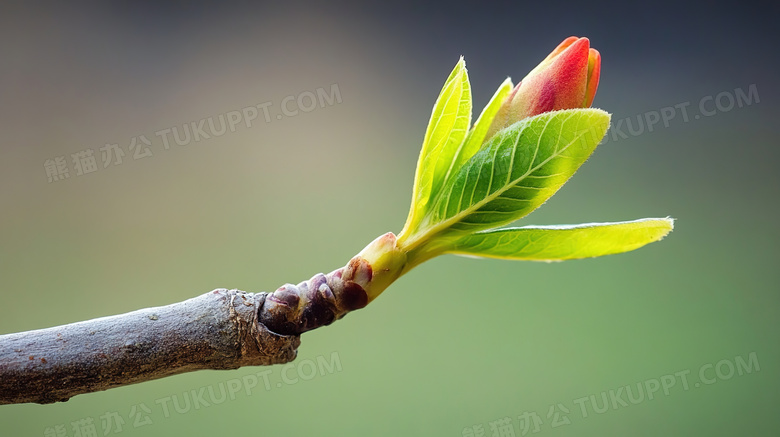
(217, 330)
(222, 329)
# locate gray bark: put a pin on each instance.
(217, 330)
(222, 329)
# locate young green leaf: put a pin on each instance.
(446, 131)
(476, 135)
(516, 171)
(562, 242)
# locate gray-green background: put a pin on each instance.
(459, 343)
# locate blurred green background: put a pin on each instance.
(459, 344)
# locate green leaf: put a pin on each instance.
(563, 242)
(476, 135)
(516, 171)
(446, 131)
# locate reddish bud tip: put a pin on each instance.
(566, 79)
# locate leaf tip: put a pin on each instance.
(669, 226)
(658, 227)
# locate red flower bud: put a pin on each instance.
(566, 79)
